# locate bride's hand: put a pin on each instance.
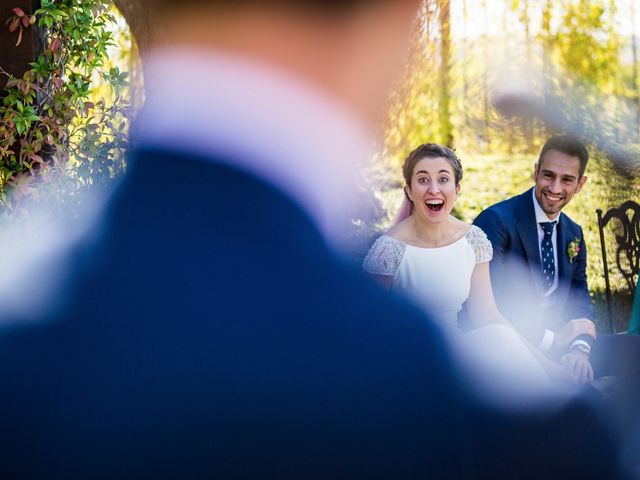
(559, 373)
(578, 364)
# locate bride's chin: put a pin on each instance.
(436, 215)
(435, 219)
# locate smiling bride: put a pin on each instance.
(439, 263)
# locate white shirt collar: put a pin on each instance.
(541, 217)
(262, 120)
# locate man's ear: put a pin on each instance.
(535, 171)
(581, 183)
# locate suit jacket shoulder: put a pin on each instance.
(499, 219)
(514, 207)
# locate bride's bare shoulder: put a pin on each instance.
(401, 230)
(462, 228)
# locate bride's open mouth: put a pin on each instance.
(434, 205)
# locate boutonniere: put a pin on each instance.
(573, 249)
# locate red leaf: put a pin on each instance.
(18, 11)
(15, 23)
(25, 22)
(55, 44)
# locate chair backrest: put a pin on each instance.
(626, 229)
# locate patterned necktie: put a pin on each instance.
(548, 262)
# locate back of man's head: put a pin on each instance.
(353, 49)
(326, 5)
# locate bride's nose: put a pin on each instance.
(433, 187)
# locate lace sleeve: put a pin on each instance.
(384, 257)
(480, 244)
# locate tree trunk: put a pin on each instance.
(528, 121)
(546, 60)
(634, 74)
(463, 64)
(15, 59)
(139, 16)
(485, 74)
(446, 128)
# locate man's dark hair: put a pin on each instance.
(328, 6)
(568, 145)
(431, 150)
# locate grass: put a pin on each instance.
(491, 178)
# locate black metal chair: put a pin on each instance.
(627, 248)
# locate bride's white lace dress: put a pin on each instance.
(439, 281)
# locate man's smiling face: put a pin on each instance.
(557, 181)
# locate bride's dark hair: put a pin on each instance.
(427, 150)
(431, 150)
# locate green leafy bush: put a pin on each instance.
(53, 129)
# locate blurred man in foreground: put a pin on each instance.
(206, 329)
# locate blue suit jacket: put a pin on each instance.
(207, 332)
(516, 269)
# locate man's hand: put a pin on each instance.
(574, 328)
(577, 364)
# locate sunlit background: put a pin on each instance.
(576, 57)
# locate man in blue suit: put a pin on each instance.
(538, 271)
(207, 329)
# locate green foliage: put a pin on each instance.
(52, 128)
(568, 45)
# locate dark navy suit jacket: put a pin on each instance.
(207, 332)
(516, 270)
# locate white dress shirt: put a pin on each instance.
(547, 340)
(541, 216)
(261, 119)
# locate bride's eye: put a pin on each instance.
(443, 179)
